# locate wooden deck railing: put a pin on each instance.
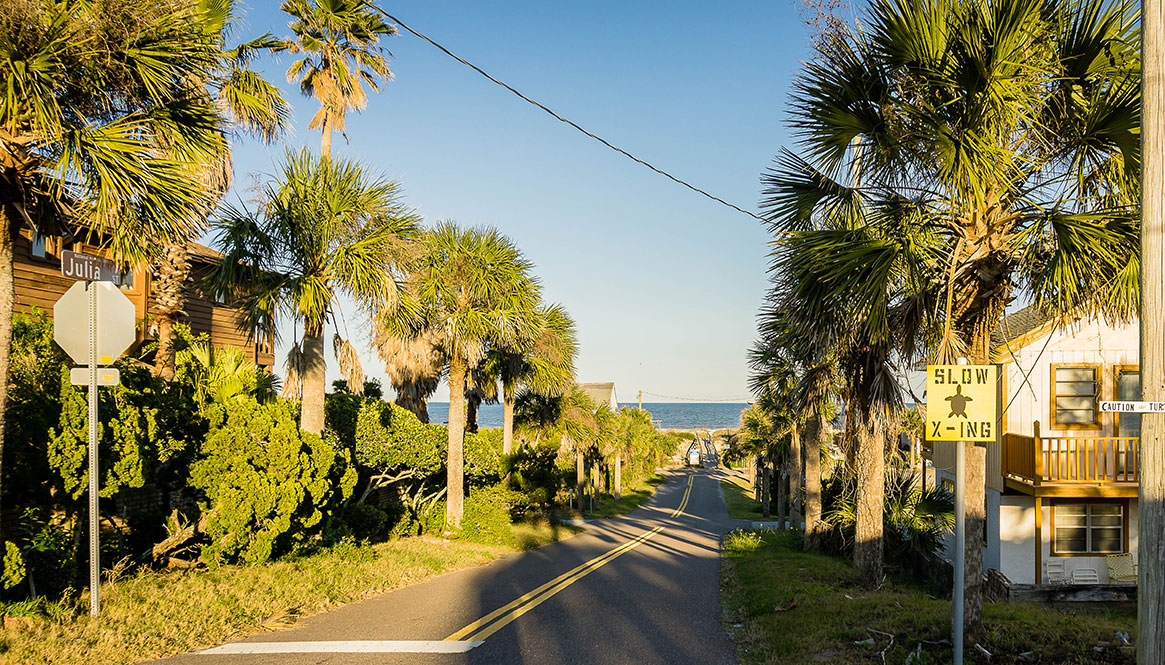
(1070, 459)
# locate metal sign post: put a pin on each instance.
(94, 521)
(106, 332)
(962, 405)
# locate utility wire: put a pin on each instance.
(741, 400)
(617, 149)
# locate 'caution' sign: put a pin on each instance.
(961, 402)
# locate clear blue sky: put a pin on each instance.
(664, 284)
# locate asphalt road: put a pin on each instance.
(643, 588)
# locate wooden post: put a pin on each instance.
(1038, 451)
(1151, 496)
(1039, 541)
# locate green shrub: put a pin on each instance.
(433, 519)
(388, 437)
(268, 484)
(483, 457)
(742, 541)
(537, 477)
(34, 407)
(48, 551)
(366, 522)
(340, 409)
(14, 568)
(487, 516)
(353, 550)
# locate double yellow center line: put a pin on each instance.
(501, 617)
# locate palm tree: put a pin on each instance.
(566, 417)
(338, 40)
(250, 104)
(473, 289)
(108, 118)
(759, 440)
(414, 366)
(1008, 129)
(327, 229)
(541, 362)
(807, 387)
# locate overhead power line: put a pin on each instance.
(741, 400)
(617, 149)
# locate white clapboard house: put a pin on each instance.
(1062, 481)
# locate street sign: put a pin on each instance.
(962, 402)
(76, 265)
(1132, 407)
(106, 376)
(115, 322)
(94, 323)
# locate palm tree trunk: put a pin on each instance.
(507, 422)
(766, 488)
(455, 497)
(795, 478)
(8, 229)
(782, 480)
(812, 483)
(326, 139)
(507, 430)
(618, 475)
(975, 496)
(170, 272)
(314, 381)
(849, 439)
(580, 476)
(471, 404)
(758, 480)
(164, 357)
(596, 480)
(870, 497)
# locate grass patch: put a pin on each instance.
(785, 606)
(632, 498)
(153, 615)
(738, 498)
(530, 535)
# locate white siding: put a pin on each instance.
(1017, 536)
(1017, 526)
(1086, 342)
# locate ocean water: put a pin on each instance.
(668, 415)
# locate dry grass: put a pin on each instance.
(155, 615)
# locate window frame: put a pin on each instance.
(1124, 506)
(1117, 371)
(1098, 377)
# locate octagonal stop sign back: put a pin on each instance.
(115, 322)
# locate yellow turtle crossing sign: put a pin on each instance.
(962, 402)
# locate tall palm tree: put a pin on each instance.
(541, 362)
(566, 417)
(1009, 128)
(249, 103)
(339, 43)
(414, 366)
(327, 229)
(106, 118)
(472, 288)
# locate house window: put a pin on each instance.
(1128, 388)
(1088, 528)
(38, 245)
(1074, 396)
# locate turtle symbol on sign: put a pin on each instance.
(959, 402)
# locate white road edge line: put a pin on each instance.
(347, 646)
